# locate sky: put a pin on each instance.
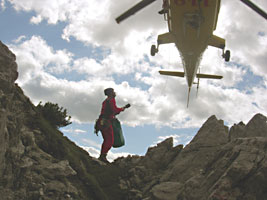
(69, 51)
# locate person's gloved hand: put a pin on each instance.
(127, 106)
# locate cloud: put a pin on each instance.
(19, 39)
(163, 103)
(35, 55)
(111, 155)
(36, 19)
(89, 24)
(176, 139)
(128, 67)
(3, 5)
(75, 131)
(91, 143)
(52, 11)
(241, 26)
(179, 138)
(92, 21)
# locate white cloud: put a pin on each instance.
(75, 131)
(241, 27)
(36, 20)
(19, 39)
(111, 155)
(35, 55)
(91, 143)
(164, 103)
(52, 11)
(92, 151)
(163, 100)
(3, 5)
(176, 139)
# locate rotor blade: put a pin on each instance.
(255, 8)
(133, 10)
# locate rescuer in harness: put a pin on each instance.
(165, 7)
(106, 120)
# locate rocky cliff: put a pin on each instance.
(38, 162)
(217, 165)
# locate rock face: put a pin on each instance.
(216, 165)
(38, 162)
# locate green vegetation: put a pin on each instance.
(55, 115)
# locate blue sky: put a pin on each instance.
(68, 51)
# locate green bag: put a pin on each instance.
(117, 131)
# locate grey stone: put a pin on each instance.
(166, 191)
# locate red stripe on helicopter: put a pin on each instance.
(194, 2)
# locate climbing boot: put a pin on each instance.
(103, 158)
(163, 11)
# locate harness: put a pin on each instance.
(103, 120)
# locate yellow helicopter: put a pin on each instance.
(191, 24)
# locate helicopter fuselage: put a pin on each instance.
(191, 24)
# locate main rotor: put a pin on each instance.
(142, 4)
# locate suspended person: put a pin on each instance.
(104, 123)
(165, 7)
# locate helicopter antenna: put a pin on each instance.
(198, 82)
(189, 89)
(197, 86)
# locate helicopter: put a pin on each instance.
(190, 27)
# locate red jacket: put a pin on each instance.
(109, 108)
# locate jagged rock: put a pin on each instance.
(60, 169)
(212, 133)
(211, 167)
(38, 162)
(256, 127)
(8, 67)
(30, 168)
(194, 156)
(237, 131)
(160, 156)
(239, 170)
